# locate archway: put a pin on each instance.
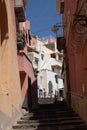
(50, 88)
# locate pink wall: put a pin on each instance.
(26, 24)
(26, 70)
(33, 41)
(20, 2)
(51, 40)
(25, 28)
(77, 61)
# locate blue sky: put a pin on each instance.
(43, 16)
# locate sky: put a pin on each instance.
(43, 16)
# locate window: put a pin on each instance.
(42, 56)
(56, 78)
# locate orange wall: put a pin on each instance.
(10, 94)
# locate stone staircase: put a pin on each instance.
(55, 116)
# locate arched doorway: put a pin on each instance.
(50, 88)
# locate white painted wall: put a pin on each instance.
(49, 76)
(45, 68)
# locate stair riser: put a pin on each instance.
(51, 117)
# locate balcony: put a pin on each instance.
(20, 40)
(20, 10)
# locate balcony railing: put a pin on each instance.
(20, 10)
(20, 40)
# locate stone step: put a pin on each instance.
(45, 100)
(61, 123)
(50, 116)
(50, 119)
(52, 110)
(67, 127)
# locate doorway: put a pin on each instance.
(29, 94)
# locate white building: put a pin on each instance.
(46, 59)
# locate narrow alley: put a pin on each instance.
(43, 79)
(51, 116)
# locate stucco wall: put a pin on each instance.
(26, 70)
(10, 93)
(79, 104)
(49, 76)
(77, 62)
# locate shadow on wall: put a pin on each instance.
(3, 22)
(22, 77)
(34, 94)
(30, 95)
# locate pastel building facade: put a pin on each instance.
(27, 76)
(47, 67)
(10, 91)
(18, 87)
(75, 64)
